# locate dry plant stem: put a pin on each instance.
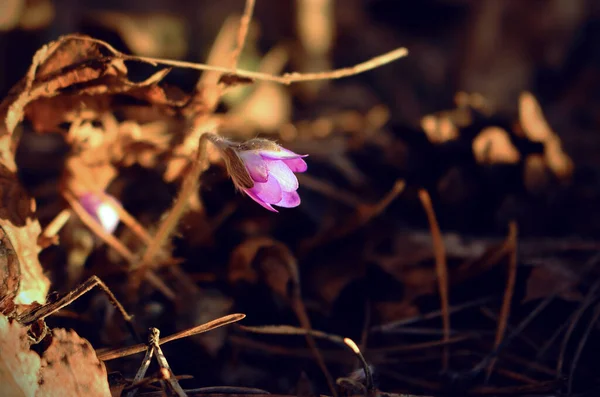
(304, 320)
(57, 223)
(289, 330)
(441, 270)
(41, 312)
(508, 294)
(242, 33)
(142, 371)
(581, 345)
(166, 228)
(587, 268)
(301, 313)
(368, 375)
(587, 302)
(114, 243)
(127, 351)
(287, 78)
(162, 362)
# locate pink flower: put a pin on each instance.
(272, 172)
(100, 210)
(263, 170)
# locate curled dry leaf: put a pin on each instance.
(493, 146)
(19, 234)
(19, 365)
(70, 363)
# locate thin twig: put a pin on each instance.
(508, 294)
(441, 269)
(287, 78)
(163, 363)
(127, 351)
(142, 370)
(242, 33)
(166, 228)
(299, 308)
(114, 243)
(57, 223)
(368, 375)
(41, 312)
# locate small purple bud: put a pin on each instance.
(100, 210)
(264, 171)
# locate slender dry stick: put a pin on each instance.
(242, 33)
(368, 375)
(301, 313)
(290, 330)
(127, 351)
(98, 230)
(114, 243)
(287, 78)
(57, 223)
(304, 320)
(41, 312)
(166, 228)
(441, 269)
(581, 345)
(508, 294)
(142, 371)
(162, 362)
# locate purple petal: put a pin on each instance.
(286, 178)
(289, 200)
(101, 211)
(296, 165)
(269, 191)
(259, 201)
(280, 154)
(256, 166)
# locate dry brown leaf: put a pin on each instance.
(19, 365)
(10, 274)
(20, 233)
(544, 281)
(70, 363)
(493, 146)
